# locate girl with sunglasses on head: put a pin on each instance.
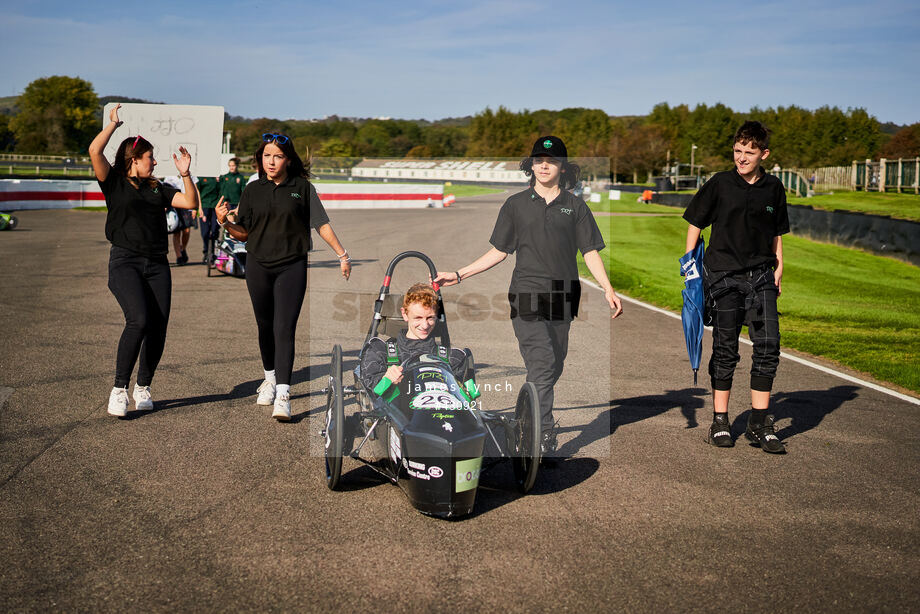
(274, 217)
(139, 274)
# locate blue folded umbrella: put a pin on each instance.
(691, 316)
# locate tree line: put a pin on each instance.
(60, 115)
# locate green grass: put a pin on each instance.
(901, 206)
(20, 169)
(461, 189)
(458, 190)
(857, 309)
(628, 204)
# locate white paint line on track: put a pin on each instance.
(801, 361)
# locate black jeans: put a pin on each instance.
(142, 286)
(746, 297)
(544, 345)
(208, 226)
(277, 295)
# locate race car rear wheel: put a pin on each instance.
(526, 447)
(335, 420)
(208, 263)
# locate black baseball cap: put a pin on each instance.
(551, 146)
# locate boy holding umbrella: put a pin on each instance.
(742, 271)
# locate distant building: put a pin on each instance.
(441, 170)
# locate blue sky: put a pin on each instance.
(440, 59)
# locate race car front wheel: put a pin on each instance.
(334, 432)
(526, 447)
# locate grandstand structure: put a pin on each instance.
(458, 171)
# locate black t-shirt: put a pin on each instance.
(745, 218)
(374, 363)
(546, 239)
(278, 219)
(136, 217)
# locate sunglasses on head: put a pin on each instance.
(277, 138)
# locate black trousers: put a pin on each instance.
(544, 345)
(143, 288)
(208, 226)
(277, 295)
(747, 297)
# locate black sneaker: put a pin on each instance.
(720, 432)
(764, 435)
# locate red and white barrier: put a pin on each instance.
(380, 195)
(18, 194)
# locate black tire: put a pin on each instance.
(526, 444)
(210, 256)
(14, 221)
(335, 421)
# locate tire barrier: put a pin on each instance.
(878, 234)
(874, 233)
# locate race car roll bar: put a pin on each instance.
(440, 326)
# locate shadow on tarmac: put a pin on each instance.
(334, 264)
(497, 485)
(628, 411)
(242, 390)
(805, 408)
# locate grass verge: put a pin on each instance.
(901, 206)
(857, 309)
(628, 204)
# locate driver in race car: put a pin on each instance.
(381, 371)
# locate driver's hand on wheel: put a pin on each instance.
(394, 374)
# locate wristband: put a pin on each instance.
(342, 255)
(457, 273)
(189, 174)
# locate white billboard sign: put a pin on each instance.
(200, 129)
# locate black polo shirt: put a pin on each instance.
(745, 217)
(278, 219)
(546, 239)
(136, 218)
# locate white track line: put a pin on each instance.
(801, 361)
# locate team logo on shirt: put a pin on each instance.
(566, 211)
(295, 195)
(769, 209)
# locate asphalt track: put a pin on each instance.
(206, 504)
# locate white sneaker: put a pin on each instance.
(266, 393)
(282, 411)
(142, 400)
(118, 402)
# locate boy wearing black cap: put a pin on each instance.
(742, 271)
(546, 225)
